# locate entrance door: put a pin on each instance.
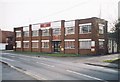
(56, 46)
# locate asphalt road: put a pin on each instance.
(9, 73)
(43, 68)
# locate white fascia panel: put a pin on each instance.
(25, 41)
(84, 39)
(101, 39)
(69, 40)
(44, 40)
(35, 41)
(85, 24)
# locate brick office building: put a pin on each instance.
(81, 36)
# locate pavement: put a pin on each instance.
(59, 68)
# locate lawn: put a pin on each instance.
(45, 54)
(116, 61)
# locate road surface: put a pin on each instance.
(43, 68)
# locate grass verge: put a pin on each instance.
(116, 61)
(44, 54)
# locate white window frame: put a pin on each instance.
(101, 28)
(35, 41)
(67, 29)
(37, 33)
(59, 31)
(47, 34)
(18, 44)
(25, 42)
(27, 33)
(86, 24)
(84, 46)
(19, 34)
(70, 40)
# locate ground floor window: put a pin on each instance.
(25, 44)
(101, 43)
(45, 44)
(85, 44)
(34, 44)
(69, 44)
(18, 44)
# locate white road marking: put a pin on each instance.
(6, 59)
(85, 75)
(35, 76)
(47, 65)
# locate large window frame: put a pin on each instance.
(45, 43)
(18, 34)
(35, 44)
(26, 33)
(18, 44)
(70, 44)
(101, 28)
(56, 31)
(85, 28)
(85, 43)
(45, 32)
(35, 33)
(25, 43)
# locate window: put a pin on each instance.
(18, 44)
(85, 28)
(35, 33)
(101, 43)
(45, 44)
(56, 31)
(26, 33)
(69, 44)
(101, 28)
(69, 30)
(34, 44)
(85, 44)
(26, 44)
(18, 34)
(45, 32)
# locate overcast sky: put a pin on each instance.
(16, 13)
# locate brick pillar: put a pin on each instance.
(30, 38)
(106, 37)
(22, 39)
(15, 39)
(62, 36)
(40, 38)
(50, 40)
(95, 35)
(77, 37)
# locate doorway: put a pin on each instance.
(56, 46)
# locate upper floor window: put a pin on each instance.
(85, 28)
(35, 33)
(56, 31)
(45, 32)
(26, 33)
(69, 27)
(18, 33)
(101, 28)
(69, 30)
